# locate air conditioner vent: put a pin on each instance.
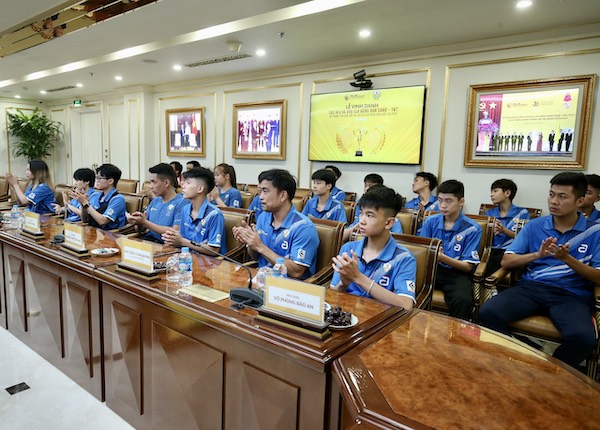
(216, 60)
(68, 87)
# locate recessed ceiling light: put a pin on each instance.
(79, 85)
(177, 67)
(119, 78)
(17, 96)
(364, 33)
(43, 92)
(523, 4)
(261, 52)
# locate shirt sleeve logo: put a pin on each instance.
(410, 286)
(236, 204)
(475, 254)
(301, 254)
(110, 212)
(218, 238)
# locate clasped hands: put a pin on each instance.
(347, 267)
(248, 235)
(550, 247)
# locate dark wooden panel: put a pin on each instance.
(2, 290)
(14, 272)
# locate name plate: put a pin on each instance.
(295, 298)
(138, 255)
(74, 237)
(32, 222)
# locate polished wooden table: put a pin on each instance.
(429, 371)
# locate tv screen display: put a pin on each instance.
(368, 126)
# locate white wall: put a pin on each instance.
(134, 122)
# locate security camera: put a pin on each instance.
(361, 82)
(360, 75)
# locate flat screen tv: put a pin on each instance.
(368, 126)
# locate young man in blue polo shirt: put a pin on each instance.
(592, 196)
(503, 191)
(280, 230)
(322, 205)
(424, 184)
(105, 209)
(376, 266)
(201, 224)
(458, 255)
(164, 208)
(84, 181)
(561, 256)
(336, 193)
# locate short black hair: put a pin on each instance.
(433, 181)
(164, 171)
(577, 180)
(204, 174)
(110, 171)
(382, 197)
(593, 181)
(374, 178)
(506, 185)
(452, 186)
(85, 174)
(338, 172)
(177, 166)
(194, 163)
(324, 175)
(281, 179)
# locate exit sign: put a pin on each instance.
(76, 102)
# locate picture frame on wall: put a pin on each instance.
(259, 130)
(185, 132)
(536, 124)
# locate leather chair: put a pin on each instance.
(251, 188)
(330, 242)
(533, 212)
(134, 202)
(350, 196)
(4, 186)
(408, 219)
(539, 326)
(487, 236)
(127, 185)
(303, 192)
(246, 199)
(234, 217)
(299, 202)
(12, 196)
(350, 207)
(58, 193)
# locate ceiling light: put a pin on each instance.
(79, 85)
(261, 52)
(523, 4)
(177, 67)
(17, 96)
(364, 33)
(43, 92)
(118, 78)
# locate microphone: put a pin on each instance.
(247, 296)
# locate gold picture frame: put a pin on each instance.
(538, 124)
(259, 130)
(186, 132)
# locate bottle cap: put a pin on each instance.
(280, 260)
(185, 249)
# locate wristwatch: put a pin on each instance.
(86, 205)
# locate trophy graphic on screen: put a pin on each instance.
(359, 134)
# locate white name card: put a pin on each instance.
(296, 298)
(32, 222)
(74, 237)
(139, 255)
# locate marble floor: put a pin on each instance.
(52, 400)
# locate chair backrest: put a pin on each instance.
(350, 196)
(425, 251)
(330, 240)
(134, 201)
(533, 212)
(350, 207)
(146, 186)
(23, 184)
(251, 188)
(4, 187)
(58, 193)
(233, 218)
(408, 219)
(246, 199)
(299, 202)
(487, 231)
(303, 192)
(127, 185)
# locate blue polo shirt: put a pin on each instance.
(432, 205)
(396, 228)
(232, 197)
(74, 202)
(164, 213)
(208, 227)
(584, 245)
(334, 209)
(337, 194)
(461, 242)
(515, 213)
(595, 215)
(40, 199)
(115, 211)
(296, 239)
(255, 206)
(395, 269)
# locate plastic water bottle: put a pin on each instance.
(185, 267)
(279, 268)
(173, 269)
(15, 216)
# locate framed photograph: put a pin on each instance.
(259, 130)
(541, 124)
(186, 132)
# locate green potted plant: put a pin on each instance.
(36, 133)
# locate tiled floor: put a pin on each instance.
(52, 401)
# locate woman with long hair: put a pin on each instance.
(39, 194)
(225, 192)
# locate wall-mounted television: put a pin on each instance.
(368, 126)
